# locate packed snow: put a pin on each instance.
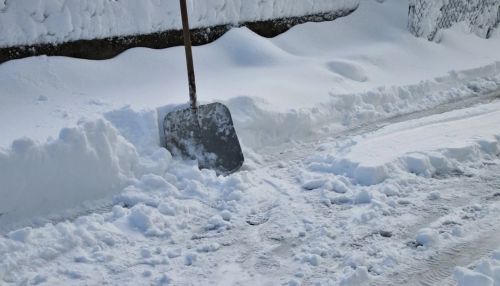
(371, 159)
(28, 22)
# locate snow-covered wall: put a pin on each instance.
(427, 17)
(28, 22)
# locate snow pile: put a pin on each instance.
(83, 163)
(427, 17)
(171, 208)
(24, 22)
(485, 273)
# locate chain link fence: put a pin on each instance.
(427, 17)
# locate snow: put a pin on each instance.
(62, 167)
(354, 169)
(370, 159)
(484, 272)
(286, 82)
(427, 237)
(23, 22)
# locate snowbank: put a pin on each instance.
(422, 148)
(86, 162)
(27, 22)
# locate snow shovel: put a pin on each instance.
(204, 133)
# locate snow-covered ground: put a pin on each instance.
(28, 22)
(371, 158)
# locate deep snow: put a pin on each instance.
(285, 221)
(332, 191)
(316, 78)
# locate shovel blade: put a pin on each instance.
(207, 135)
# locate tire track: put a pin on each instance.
(438, 268)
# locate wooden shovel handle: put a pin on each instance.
(189, 55)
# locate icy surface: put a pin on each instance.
(25, 22)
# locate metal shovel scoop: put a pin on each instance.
(206, 132)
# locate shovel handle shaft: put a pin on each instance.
(189, 55)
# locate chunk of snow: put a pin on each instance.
(190, 259)
(213, 247)
(226, 215)
(338, 186)
(370, 175)
(363, 197)
(359, 276)
(312, 259)
(314, 184)
(418, 164)
(148, 221)
(216, 222)
(390, 190)
(434, 196)
(427, 237)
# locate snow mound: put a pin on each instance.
(85, 162)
